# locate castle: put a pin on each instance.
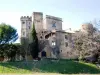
(54, 41)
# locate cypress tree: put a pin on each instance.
(34, 45)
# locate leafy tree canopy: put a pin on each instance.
(8, 34)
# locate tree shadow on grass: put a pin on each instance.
(62, 66)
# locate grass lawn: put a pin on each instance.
(48, 66)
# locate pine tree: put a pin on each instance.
(34, 45)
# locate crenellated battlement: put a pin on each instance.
(26, 18)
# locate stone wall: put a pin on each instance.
(48, 31)
(65, 50)
(52, 23)
(38, 21)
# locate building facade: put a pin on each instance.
(54, 41)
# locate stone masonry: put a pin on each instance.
(53, 40)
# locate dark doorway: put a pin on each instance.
(43, 54)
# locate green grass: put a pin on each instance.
(48, 66)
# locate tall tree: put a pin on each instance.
(96, 23)
(10, 51)
(8, 35)
(34, 45)
(86, 45)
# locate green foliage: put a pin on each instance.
(9, 50)
(8, 34)
(34, 36)
(34, 45)
(18, 48)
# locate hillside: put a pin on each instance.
(48, 66)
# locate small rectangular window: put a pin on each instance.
(23, 22)
(66, 44)
(23, 33)
(60, 50)
(66, 37)
(53, 43)
(29, 27)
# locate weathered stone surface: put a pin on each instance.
(52, 39)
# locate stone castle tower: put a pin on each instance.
(87, 28)
(26, 25)
(50, 23)
(38, 21)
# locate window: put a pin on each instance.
(66, 44)
(23, 33)
(53, 43)
(41, 37)
(23, 22)
(42, 32)
(66, 37)
(61, 50)
(29, 27)
(43, 54)
(53, 24)
(46, 37)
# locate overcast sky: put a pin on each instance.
(73, 12)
